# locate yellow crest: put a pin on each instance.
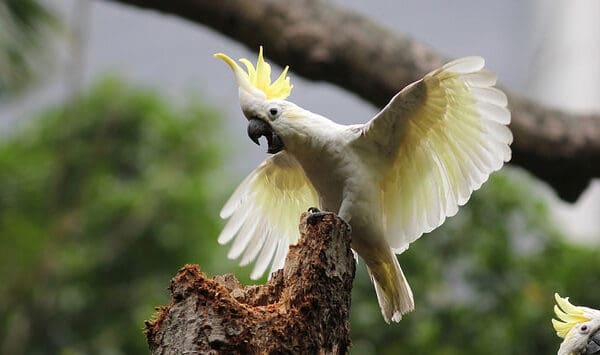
(568, 314)
(259, 77)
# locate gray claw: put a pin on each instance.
(315, 216)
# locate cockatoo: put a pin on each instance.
(579, 326)
(391, 179)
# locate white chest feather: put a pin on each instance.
(336, 171)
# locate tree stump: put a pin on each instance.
(303, 308)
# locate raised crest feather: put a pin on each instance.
(259, 77)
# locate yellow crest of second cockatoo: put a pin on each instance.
(259, 77)
(568, 314)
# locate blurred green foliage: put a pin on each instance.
(103, 199)
(25, 26)
(484, 281)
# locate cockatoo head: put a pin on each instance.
(262, 101)
(579, 326)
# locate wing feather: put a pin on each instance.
(445, 135)
(254, 245)
(264, 211)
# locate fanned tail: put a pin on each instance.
(393, 292)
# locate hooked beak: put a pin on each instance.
(258, 128)
(593, 345)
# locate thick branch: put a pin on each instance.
(324, 42)
(303, 309)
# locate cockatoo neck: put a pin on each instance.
(303, 131)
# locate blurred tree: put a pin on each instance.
(24, 29)
(484, 281)
(100, 203)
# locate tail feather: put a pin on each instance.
(393, 292)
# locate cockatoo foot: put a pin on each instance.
(316, 215)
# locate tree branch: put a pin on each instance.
(303, 309)
(321, 41)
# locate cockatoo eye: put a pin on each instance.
(273, 111)
(583, 329)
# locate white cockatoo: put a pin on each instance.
(391, 179)
(578, 326)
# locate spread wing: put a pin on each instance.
(264, 212)
(442, 136)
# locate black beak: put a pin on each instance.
(258, 128)
(593, 345)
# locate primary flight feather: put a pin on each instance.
(392, 179)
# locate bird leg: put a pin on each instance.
(316, 215)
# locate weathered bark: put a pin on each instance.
(303, 309)
(324, 42)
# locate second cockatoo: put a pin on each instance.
(391, 179)
(578, 326)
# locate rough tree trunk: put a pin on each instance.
(304, 308)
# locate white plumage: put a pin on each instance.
(264, 212)
(392, 179)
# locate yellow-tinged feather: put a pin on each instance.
(263, 213)
(453, 135)
(259, 77)
(561, 328)
(568, 314)
(575, 324)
